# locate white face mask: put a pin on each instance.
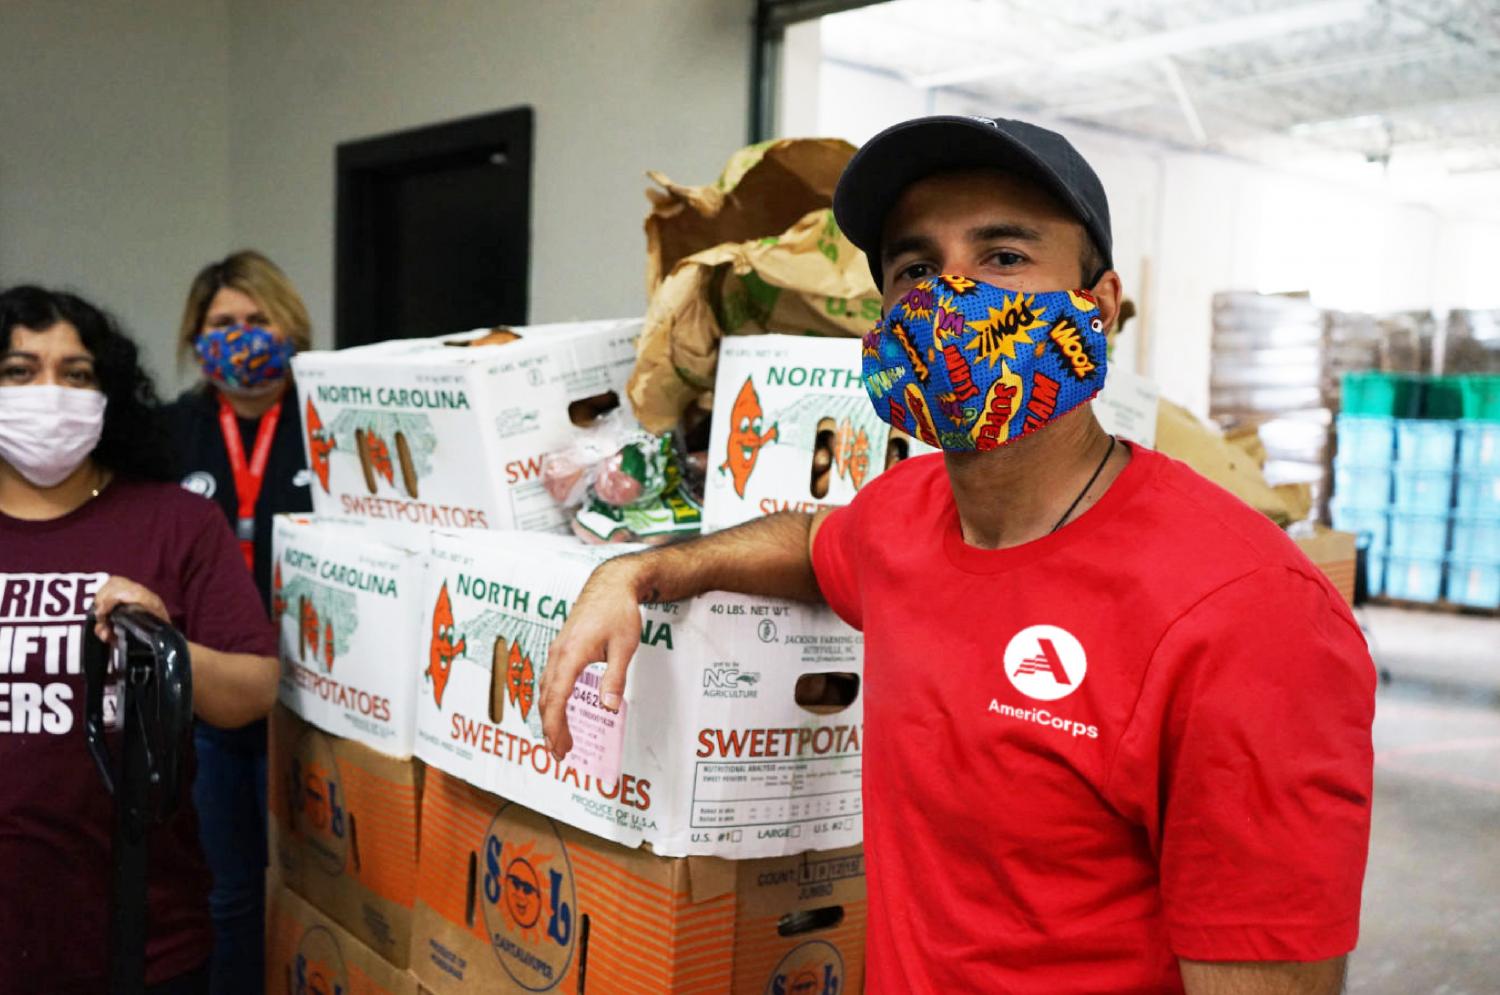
(46, 432)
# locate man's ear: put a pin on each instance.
(1108, 291)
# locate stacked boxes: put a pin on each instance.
(422, 836)
(512, 901)
(1424, 492)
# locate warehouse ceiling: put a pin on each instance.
(1403, 84)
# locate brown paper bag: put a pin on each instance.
(1182, 436)
(763, 190)
(810, 280)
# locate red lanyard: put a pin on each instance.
(247, 479)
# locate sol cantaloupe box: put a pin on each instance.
(450, 432)
(343, 830)
(307, 953)
(744, 725)
(793, 429)
(350, 643)
(511, 901)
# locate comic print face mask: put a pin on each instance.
(243, 358)
(967, 366)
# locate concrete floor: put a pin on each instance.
(1431, 917)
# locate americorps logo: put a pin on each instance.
(528, 898)
(813, 968)
(319, 968)
(1045, 662)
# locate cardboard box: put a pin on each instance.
(778, 401)
(440, 433)
(718, 759)
(511, 901)
(350, 641)
(343, 830)
(1333, 553)
(308, 953)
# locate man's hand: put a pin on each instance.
(118, 591)
(1323, 977)
(603, 624)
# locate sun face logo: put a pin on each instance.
(319, 965)
(814, 968)
(315, 793)
(1045, 662)
(529, 899)
(745, 436)
(442, 651)
(319, 444)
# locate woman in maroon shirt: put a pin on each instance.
(89, 514)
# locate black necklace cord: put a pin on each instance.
(1097, 470)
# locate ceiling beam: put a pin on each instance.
(1145, 48)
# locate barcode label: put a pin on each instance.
(591, 679)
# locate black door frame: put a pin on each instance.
(359, 164)
(771, 20)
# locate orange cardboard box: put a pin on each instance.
(343, 830)
(308, 953)
(511, 901)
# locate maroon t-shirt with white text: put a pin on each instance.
(56, 817)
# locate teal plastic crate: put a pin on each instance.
(1422, 490)
(1414, 578)
(1365, 440)
(1419, 534)
(1479, 445)
(1476, 537)
(1480, 396)
(1426, 445)
(1360, 486)
(1371, 392)
(1475, 583)
(1442, 397)
(1477, 492)
(1373, 523)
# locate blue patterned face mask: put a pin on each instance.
(967, 366)
(243, 357)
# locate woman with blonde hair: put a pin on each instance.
(238, 441)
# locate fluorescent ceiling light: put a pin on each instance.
(1215, 34)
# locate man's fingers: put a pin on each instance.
(616, 661)
(563, 667)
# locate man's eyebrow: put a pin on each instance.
(1008, 230)
(906, 243)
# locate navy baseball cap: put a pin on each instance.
(913, 150)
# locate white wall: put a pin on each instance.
(114, 148)
(618, 87)
(1187, 225)
(139, 141)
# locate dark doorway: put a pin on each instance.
(434, 229)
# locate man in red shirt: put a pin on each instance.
(1118, 727)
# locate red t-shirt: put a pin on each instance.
(1144, 737)
(56, 818)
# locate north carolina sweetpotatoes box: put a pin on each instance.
(343, 830)
(793, 429)
(450, 432)
(719, 757)
(511, 901)
(350, 641)
(307, 953)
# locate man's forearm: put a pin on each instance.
(769, 556)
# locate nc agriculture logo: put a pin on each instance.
(814, 968)
(319, 967)
(530, 907)
(317, 802)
